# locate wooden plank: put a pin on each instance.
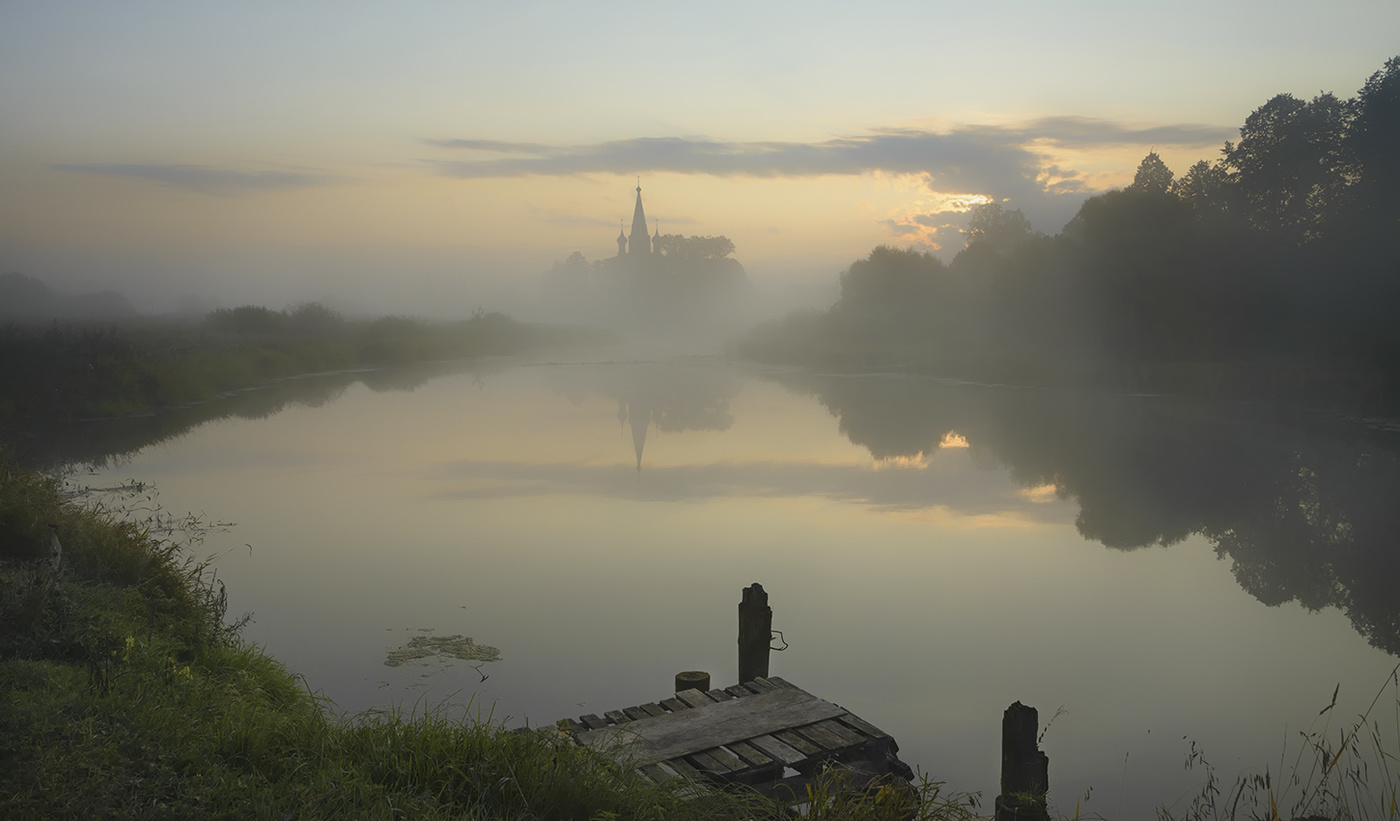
(778, 681)
(777, 749)
(674, 705)
(752, 756)
(575, 728)
(760, 685)
(652, 708)
(593, 721)
(719, 695)
(724, 756)
(655, 773)
(850, 737)
(694, 698)
(820, 736)
(685, 731)
(792, 739)
(684, 769)
(738, 691)
(635, 713)
(856, 722)
(707, 763)
(617, 717)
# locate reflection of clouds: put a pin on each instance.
(953, 484)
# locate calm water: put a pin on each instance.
(932, 551)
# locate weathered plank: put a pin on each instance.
(752, 756)
(684, 768)
(695, 698)
(654, 772)
(719, 695)
(792, 739)
(635, 713)
(849, 737)
(617, 717)
(652, 708)
(709, 763)
(685, 731)
(738, 691)
(778, 750)
(593, 721)
(675, 705)
(858, 723)
(821, 736)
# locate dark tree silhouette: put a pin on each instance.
(1153, 176)
(1290, 166)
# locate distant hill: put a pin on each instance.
(26, 300)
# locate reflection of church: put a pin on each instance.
(639, 243)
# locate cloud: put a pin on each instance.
(204, 179)
(965, 158)
(958, 167)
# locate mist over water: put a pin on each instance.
(933, 552)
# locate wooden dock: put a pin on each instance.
(766, 734)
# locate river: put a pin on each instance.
(1160, 572)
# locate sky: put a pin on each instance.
(436, 157)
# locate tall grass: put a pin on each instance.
(1351, 771)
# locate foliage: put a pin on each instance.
(995, 226)
(1152, 175)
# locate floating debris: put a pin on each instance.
(460, 647)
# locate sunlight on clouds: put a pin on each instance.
(1040, 495)
(916, 462)
(953, 439)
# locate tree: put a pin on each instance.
(694, 249)
(1371, 143)
(1206, 188)
(998, 228)
(1153, 175)
(891, 278)
(1289, 164)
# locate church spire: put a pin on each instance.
(639, 242)
(621, 238)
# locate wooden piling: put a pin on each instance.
(755, 633)
(692, 680)
(1025, 770)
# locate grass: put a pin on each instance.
(1336, 773)
(125, 693)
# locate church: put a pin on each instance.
(639, 243)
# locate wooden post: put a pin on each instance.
(1025, 770)
(755, 633)
(692, 680)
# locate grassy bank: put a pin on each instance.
(78, 371)
(125, 694)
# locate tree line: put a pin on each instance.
(1285, 250)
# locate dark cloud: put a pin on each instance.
(966, 158)
(204, 179)
(1088, 132)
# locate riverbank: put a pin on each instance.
(80, 371)
(125, 693)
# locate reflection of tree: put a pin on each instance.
(54, 441)
(1302, 506)
(671, 399)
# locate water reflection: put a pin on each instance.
(1302, 504)
(49, 441)
(671, 398)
